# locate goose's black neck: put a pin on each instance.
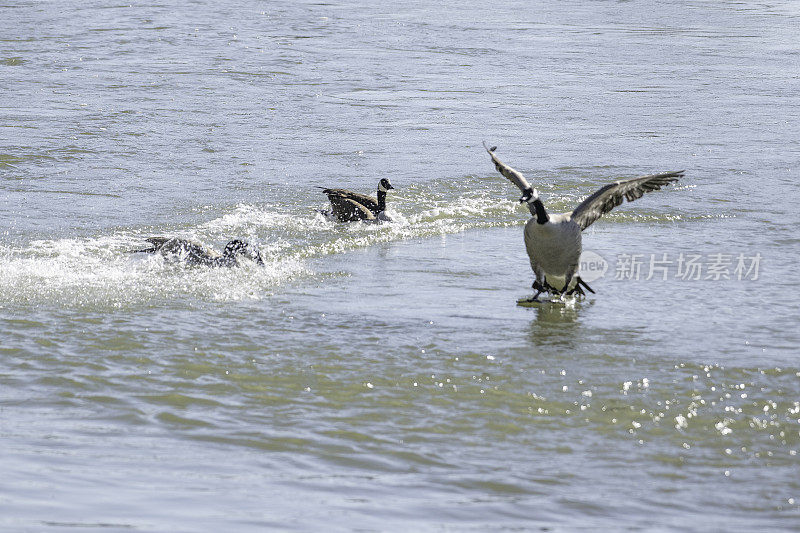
(541, 215)
(381, 200)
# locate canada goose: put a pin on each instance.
(176, 249)
(553, 242)
(348, 206)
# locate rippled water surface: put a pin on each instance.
(380, 376)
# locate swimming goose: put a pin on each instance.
(348, 206)
(553, 241)
(176, 249)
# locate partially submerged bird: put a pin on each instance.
(553, 241)
(348, 206)
(186, 251)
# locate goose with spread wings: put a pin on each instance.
(553, 241)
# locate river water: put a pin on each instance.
(380, 376)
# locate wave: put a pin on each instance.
(100, 271)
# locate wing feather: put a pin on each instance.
(158, 242)
(613, 194)
(512, 175)
(347, 210)
(343, 194)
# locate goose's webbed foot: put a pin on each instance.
(576, 290)
(539, 288)
(551, 290)
(587, 287)
(544, 287)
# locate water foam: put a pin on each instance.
(101, 271)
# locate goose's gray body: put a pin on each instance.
(193, 253)
(349, 206)
(554, 249)
(553, 241)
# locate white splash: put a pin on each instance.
(101, 271)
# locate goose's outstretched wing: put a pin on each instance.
(512, 175)
(156, 244)
(610, 196)
(348, 210)
(343, 194)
